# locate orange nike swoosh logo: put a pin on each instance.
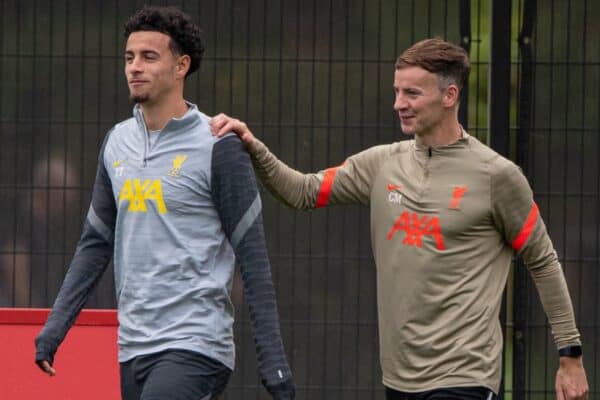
(391, 187)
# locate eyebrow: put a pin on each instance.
(144, 52)
(408, 89)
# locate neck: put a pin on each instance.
(442, 135)
(158, 115)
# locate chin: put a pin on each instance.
(408, 130)
(139, 98)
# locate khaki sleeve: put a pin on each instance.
(349, 183)
(517, 217)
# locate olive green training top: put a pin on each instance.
(444, 224)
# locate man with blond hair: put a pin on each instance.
(447, 214)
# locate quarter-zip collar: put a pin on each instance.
(174, 124)
(422, 151)
(187, 121)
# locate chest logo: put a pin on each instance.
(457, 195)
(177, 164)
(394, 196)
(137, 193)
(415, 227)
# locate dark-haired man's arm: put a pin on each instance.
(236, 197)
(92, 255)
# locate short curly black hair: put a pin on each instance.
(186, 36)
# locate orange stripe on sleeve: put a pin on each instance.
(326, 185)
(527, 228)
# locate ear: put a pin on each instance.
(451, 95)
(183, 66)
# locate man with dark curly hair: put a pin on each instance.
(176, 208)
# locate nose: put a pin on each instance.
(134, 66)
(399, 102)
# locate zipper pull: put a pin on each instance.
(430, 152)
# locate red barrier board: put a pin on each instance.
(86, 362)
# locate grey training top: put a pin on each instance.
(175, 215)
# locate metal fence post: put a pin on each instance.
(521, 290)
(499, 92)
(465, 43)
(499, 75)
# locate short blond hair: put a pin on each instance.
(448, 61)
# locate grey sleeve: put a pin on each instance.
(236, 197)
(93, 252)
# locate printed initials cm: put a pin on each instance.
(138, 192)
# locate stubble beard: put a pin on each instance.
(139, 98)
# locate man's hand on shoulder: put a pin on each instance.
(222, 124)
(571, 382)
